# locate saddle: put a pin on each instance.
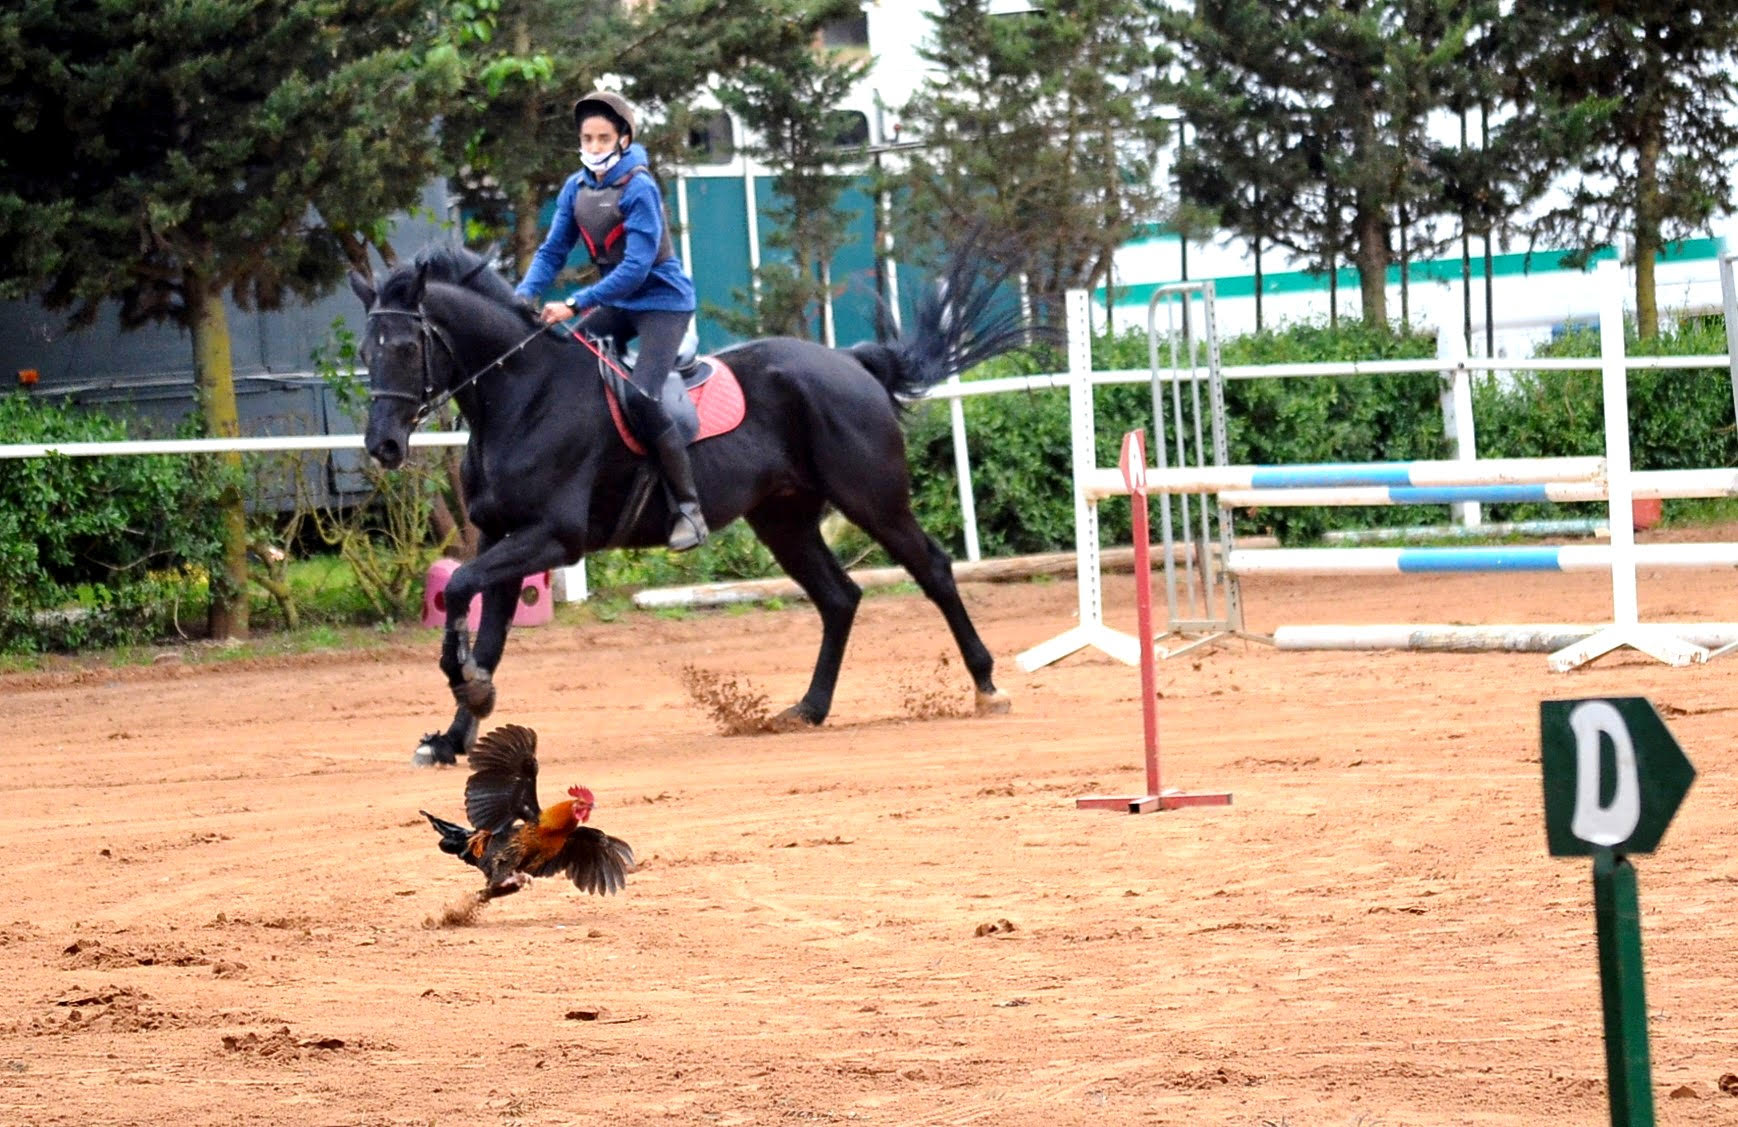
(702, 399)
(702, 396)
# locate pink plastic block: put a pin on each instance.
(535, 605)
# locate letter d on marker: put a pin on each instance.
(1592, 822)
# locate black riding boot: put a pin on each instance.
(687, 524)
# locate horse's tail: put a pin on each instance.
(967, 317)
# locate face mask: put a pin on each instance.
(599, 162)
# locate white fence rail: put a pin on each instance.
(1447, 368)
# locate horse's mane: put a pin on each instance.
(454, 266)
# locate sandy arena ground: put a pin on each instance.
(218, 902)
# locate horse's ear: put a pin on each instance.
(419, 283)
(362, 287)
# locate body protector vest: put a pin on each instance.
(597, 212)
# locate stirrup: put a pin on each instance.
(687, 532)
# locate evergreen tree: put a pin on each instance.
(509, 137)
(1480, 182)
(1637, 100)
(1042, 131)
(1316, 109)
(164, 155)
(789, 100)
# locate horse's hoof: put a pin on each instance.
(995, 703)
(435, 749)
(477, 697)
(792, 719)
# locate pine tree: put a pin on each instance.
(164, 155)
(1316, 109)
(1042, 131)
(1636, 99)
(789, 100)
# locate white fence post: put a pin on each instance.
(1662, 643)
(962, 462)
(1090, 630)
(569, 584)
(1729, 298)
(1457, 414)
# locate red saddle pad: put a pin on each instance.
(717, 399)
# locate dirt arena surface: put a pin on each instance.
(216, 900)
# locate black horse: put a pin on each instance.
(548, 478)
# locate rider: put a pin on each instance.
(614, 205)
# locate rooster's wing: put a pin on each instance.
(503, 783)
(593, 860)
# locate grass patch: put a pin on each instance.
(1683, 512)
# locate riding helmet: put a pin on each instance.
(612, 106)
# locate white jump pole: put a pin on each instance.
(1447, 638)
(1090, 629)
(1101, 483)
(1644, 484)
(1420, 561)
(1614, 381)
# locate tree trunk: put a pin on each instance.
(1258, 283)
(215, 380)
(1490, 296)
(525, 230)
(1647, 232)
(525, 201)
(1405, 269)
(1373, 264)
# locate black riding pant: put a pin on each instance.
(660, 335)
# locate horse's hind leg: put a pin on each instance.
(791, 529)
(889, 520)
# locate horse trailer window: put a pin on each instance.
(850, 129)
(712, 139)
(852, 31)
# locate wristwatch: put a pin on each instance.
(572, 304)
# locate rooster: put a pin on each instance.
(515, 838)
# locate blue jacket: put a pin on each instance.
(635, 283)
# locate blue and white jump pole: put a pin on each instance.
(1418, 561)
(1645, 485)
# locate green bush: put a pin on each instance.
(97, 551)
(1678, 418)
(731, 554)
(1019, 444)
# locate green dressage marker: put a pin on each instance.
(1614, 776)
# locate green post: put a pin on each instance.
(1618, 919)
(1614, 776)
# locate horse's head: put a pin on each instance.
(398, 346)
(430, 327)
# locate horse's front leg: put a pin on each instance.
(496, 574)
(474, 687)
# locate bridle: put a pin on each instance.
(427, 401)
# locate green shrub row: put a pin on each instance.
(1019, 444)
(97, 551)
